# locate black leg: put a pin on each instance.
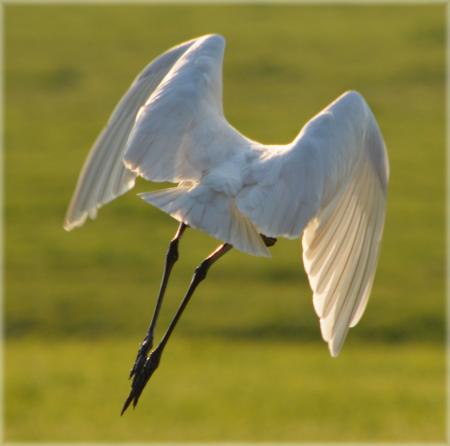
(152, 362)
(147, 343)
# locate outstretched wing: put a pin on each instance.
(331, 183)
(104, 176)
(171, 138)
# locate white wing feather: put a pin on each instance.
(330, 184)
(171, 138)
(104, 177)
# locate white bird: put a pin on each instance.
(329, 185)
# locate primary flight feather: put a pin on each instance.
(328, 186)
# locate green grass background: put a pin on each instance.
(246, 362)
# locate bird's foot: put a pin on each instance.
(141, 356)
(141, 377)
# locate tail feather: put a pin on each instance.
(212, 212)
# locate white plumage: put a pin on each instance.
(329, 184)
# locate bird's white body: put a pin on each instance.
(329, 184)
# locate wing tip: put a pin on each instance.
(334, 349)
(335, 341)
(353, 94)
(72, 222)
(68, 225)
(214, 37)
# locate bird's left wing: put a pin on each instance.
(171, 139)
(330, 184)
(104, 177)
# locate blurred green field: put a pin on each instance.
(246, 362)
(227, 390)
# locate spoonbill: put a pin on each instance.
(328, 186)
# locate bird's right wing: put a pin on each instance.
(330, 184)
(104, 176)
